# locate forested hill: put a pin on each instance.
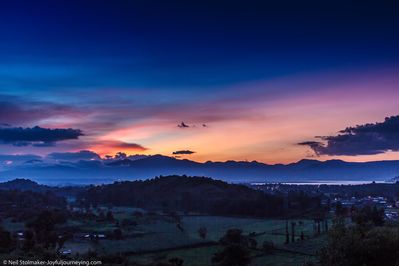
(196, 194)
(23, 185)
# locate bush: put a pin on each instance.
(268, 246)
(357, 246)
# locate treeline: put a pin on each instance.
(196, 194)
(22, 205)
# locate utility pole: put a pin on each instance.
(293, 232)
(287, 235)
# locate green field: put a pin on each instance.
(162, 233)
(156, 237)
(12, 226)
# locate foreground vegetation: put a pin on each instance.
(92, 227)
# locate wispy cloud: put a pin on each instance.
(74, 156)
(15, 110)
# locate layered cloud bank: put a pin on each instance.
(367, 139)
(37, 136)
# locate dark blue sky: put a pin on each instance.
(192, 43)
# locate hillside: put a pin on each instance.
(23, 185)
(197, 194)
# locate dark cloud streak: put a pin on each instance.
(183, 125)
(367, 139)
(181, 152)
(125, 145)
(37, 136)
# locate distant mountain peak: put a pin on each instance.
(307, 161)
(231, 171)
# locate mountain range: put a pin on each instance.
(107, 171)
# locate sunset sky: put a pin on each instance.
(218, 81)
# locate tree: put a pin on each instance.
(6, 241)
(235, 252)
(175, 216)
(293, 224)
(377, 216)
(29, 242)
(171, 262)
(202, 232)
(268, 246)
(234, 236)
(232, 255)
(138, 214)
(43, 227)
(368, 215)
(252, 243)
(287, 235)
(61, 241)
(176, 261)
(340, 210)
(359, 246)
(117, 234)
(110, 216)
(126, 223)
(101, 216)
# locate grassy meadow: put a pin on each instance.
(157, 237)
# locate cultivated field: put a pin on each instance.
(157, 236)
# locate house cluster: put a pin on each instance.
(390, 207)
(81, 237)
